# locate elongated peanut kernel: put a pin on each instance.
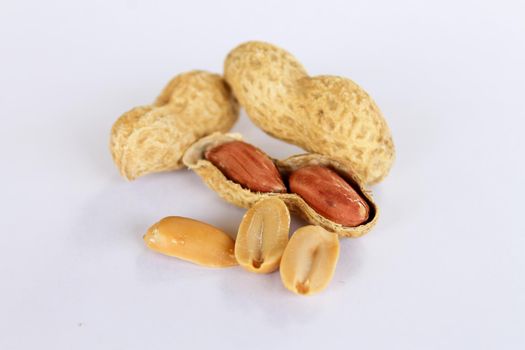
(329, 195)
(309, 260)
(263, 235)
(246, 165)
(191, 240)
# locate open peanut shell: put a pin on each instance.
(236, 194)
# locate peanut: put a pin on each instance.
(309, 260)
(263, 235)
(246, 165)
(330, 195)
(154, 138)
(191, 240)
(327, 115)
(351, 209)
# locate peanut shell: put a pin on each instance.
(328, 115)
(245, 198)
(154, 138)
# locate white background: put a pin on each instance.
(443, 269)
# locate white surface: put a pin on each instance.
(443, 269)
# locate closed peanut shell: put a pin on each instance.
(154, 138)
(238, 195)
(328, 115)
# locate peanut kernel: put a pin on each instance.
(263, 235)
(191, 240)
(309, 260)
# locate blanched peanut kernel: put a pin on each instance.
(191, 240)
(309, 260)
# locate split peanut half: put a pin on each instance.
(263, 235)
(309, 260)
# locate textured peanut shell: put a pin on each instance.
(154, 138)
(328, 115)
(243, 197)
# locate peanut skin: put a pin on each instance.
(247, 166)
(330, 195)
